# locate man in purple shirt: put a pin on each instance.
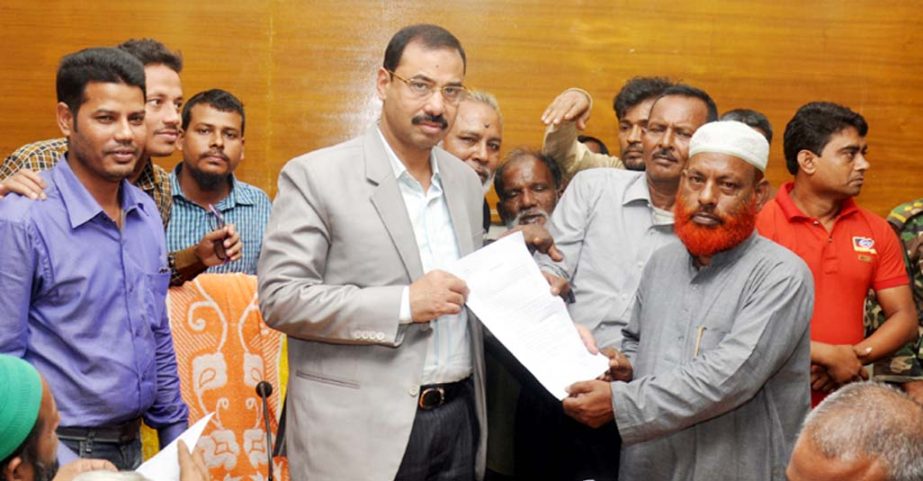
(84, 274)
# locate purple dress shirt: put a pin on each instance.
(84, 303)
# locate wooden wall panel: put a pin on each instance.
(305, 69)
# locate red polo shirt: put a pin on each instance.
(861, 252)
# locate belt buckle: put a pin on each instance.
(431, 397)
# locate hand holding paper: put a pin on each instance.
(511, 297)
(164, 466)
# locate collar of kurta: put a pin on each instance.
(727, 257)
(80, 205)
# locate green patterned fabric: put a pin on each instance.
(907, 363)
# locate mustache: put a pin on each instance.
(710, 212)
(535, 211)
(636, 147)
(214, 153)
(123, 147)
(435, 119)
(665, 154)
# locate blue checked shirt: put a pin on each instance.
(247, 207)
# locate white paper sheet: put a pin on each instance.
(511, 297)
(164, 466)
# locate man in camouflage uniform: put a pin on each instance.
(906, 366)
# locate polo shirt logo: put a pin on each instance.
(864, 244)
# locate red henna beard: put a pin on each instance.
(706, 241)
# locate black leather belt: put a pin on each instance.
(119, 433)
(434, 395)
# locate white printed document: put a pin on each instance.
(164, 466)
(511, 297)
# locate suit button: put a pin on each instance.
(414, 391)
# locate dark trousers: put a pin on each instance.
(125, 456)
(552, 446)
(442, 442)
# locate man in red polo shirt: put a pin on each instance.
(848, 249)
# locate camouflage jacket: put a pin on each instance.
(905, 364)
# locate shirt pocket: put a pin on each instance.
(706, 338)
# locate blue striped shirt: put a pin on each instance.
(246, 206)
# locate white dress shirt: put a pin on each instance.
(448, 354)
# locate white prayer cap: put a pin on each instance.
(734, 138)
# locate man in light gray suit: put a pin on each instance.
(386, 364)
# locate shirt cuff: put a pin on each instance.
(404, 316)
(167, 434)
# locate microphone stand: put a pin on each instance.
(263, 390)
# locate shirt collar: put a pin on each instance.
(398, 167)
(792, 212)
(236, 196)
(637, 190)
(147, 178)
(80, 205)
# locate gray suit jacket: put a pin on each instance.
(338, 251)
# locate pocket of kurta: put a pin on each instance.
(707, 338)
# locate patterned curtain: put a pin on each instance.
(223, 349)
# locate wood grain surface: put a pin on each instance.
(305, 69)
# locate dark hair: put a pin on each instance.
(219, 99)
(107, 65)
(521, 152)
(152, 52)
(683, 90)
(637, 90)
(589, 138)
(432, 36)
(813, 125)
(752, 118)
(28, 450)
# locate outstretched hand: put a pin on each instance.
(572, 104)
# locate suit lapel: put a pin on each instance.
(455, 199)
(389, 203)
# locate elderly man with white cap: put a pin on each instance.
(716, 355)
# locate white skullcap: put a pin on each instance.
(731, 137)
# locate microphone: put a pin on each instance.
(264, 390)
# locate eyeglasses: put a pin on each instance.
(421, 89)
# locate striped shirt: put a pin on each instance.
(44, 154)
(246, 206)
